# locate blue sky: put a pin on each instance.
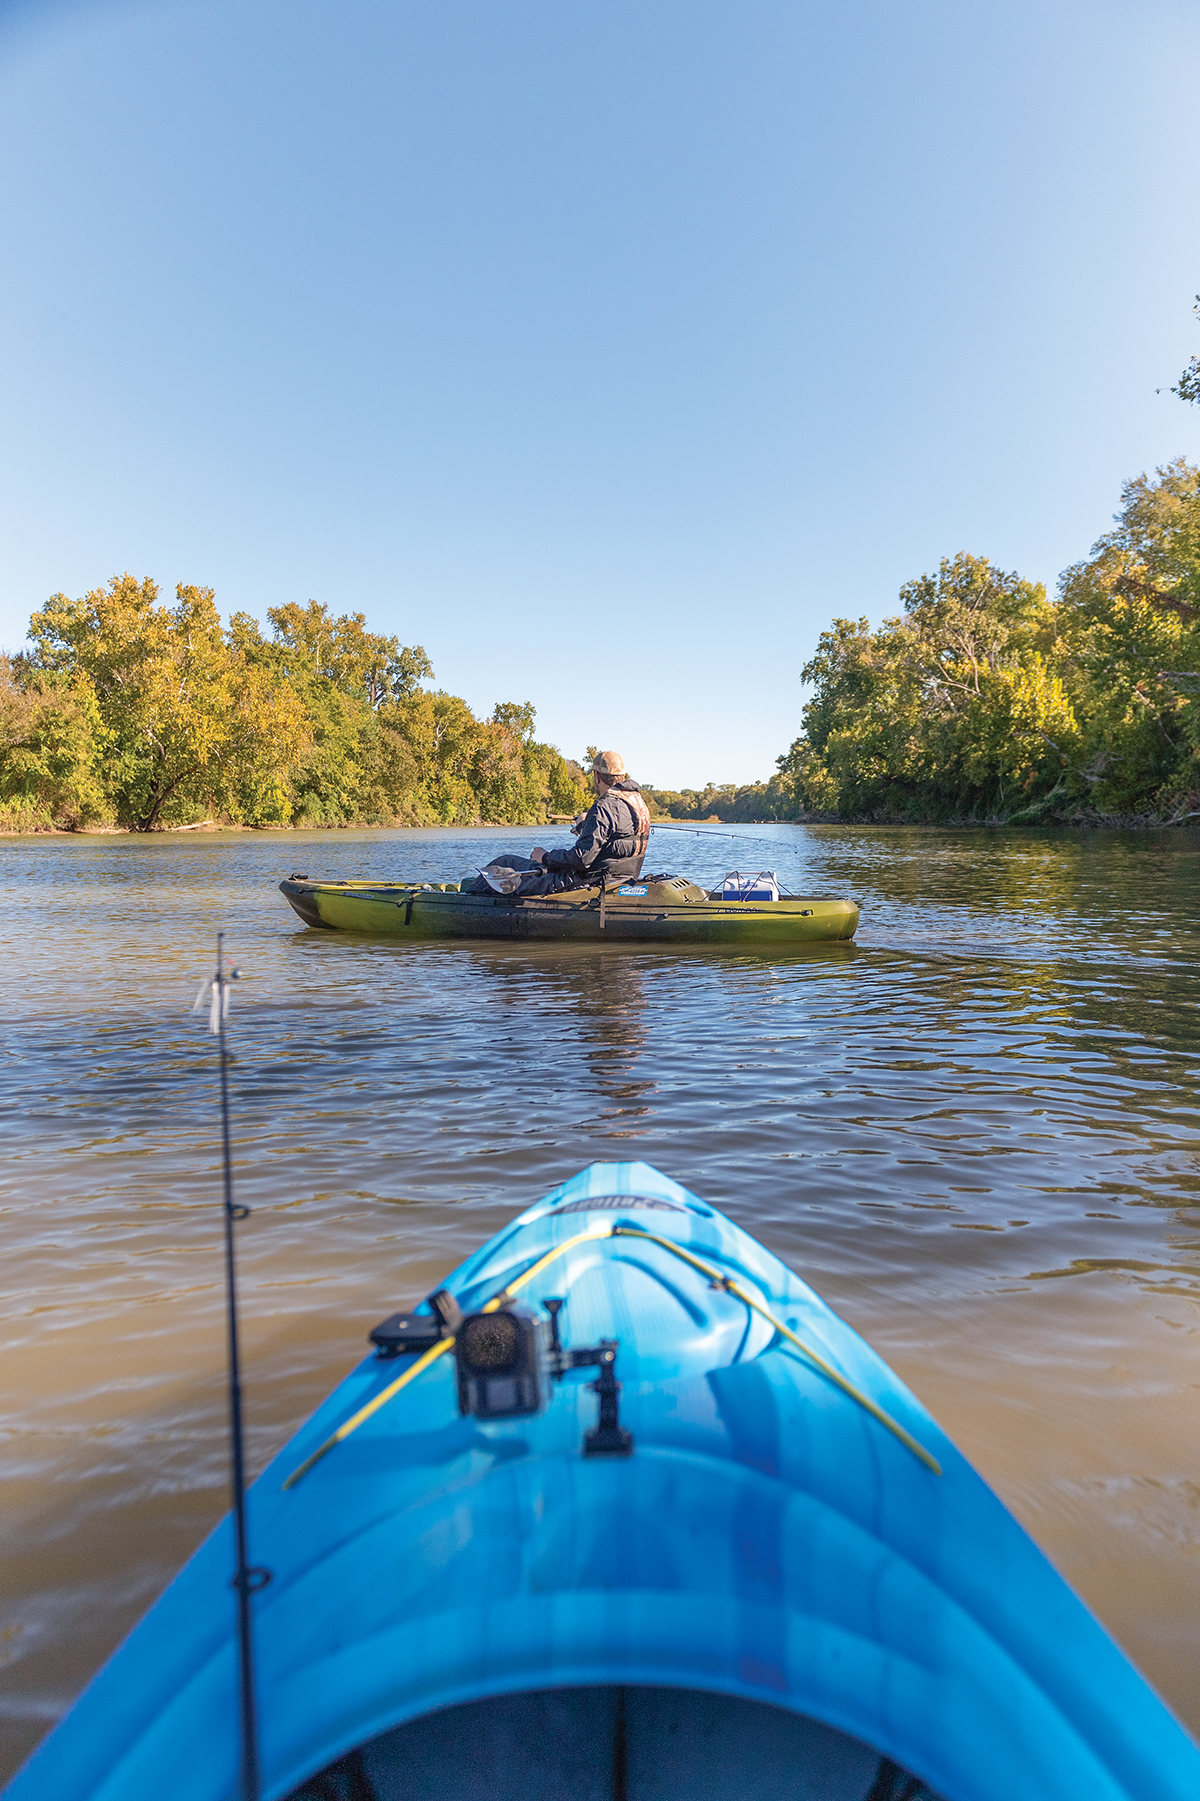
(606, 350)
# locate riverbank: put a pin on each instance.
(1083, 822)
(1092, 822)
(213, 825)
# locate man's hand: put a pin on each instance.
(537, 854)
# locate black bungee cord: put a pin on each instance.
(247, 1578)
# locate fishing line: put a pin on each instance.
(659, 825)
(248, 1578)
(739, 837)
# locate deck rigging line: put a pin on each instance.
(717, 1277)
(431, 1356)
(720, 1280)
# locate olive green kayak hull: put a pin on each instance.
(408, 910)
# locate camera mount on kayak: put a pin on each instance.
(608, 1438)
(506, 1357)
(400, 1333)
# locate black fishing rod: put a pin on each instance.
(247, 1578)
(657, 825)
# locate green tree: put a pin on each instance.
(147, 713)
(356, 767)
(470, 769)
(1188, 385)
(344, 652)
(1129, 644)
(515, 718)
(187, 721)
(951, 709)
(564, 786)
(51, 750)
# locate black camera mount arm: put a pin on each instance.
(608, 1438)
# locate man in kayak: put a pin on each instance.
(611, 842)
(614, 832)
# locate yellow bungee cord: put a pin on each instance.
(431, 1356)
(719, 1280)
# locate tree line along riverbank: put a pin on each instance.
(982, 699)
(134, 713)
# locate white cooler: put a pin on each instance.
(762, 886)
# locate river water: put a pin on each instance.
(974, 1131)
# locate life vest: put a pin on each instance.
(641, 817)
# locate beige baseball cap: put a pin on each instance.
(610, 764)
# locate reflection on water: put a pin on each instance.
(974, 1131)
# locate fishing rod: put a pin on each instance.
(691, 832)
(658, 825)
(248, 1578)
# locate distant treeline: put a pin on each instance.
(984, 699)
(134, 713)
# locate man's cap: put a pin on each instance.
(610, 764)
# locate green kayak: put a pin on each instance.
(675, 911)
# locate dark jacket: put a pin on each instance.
(612, 839)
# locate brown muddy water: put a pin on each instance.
(974, 1132)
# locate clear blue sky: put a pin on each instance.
(606, 349)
